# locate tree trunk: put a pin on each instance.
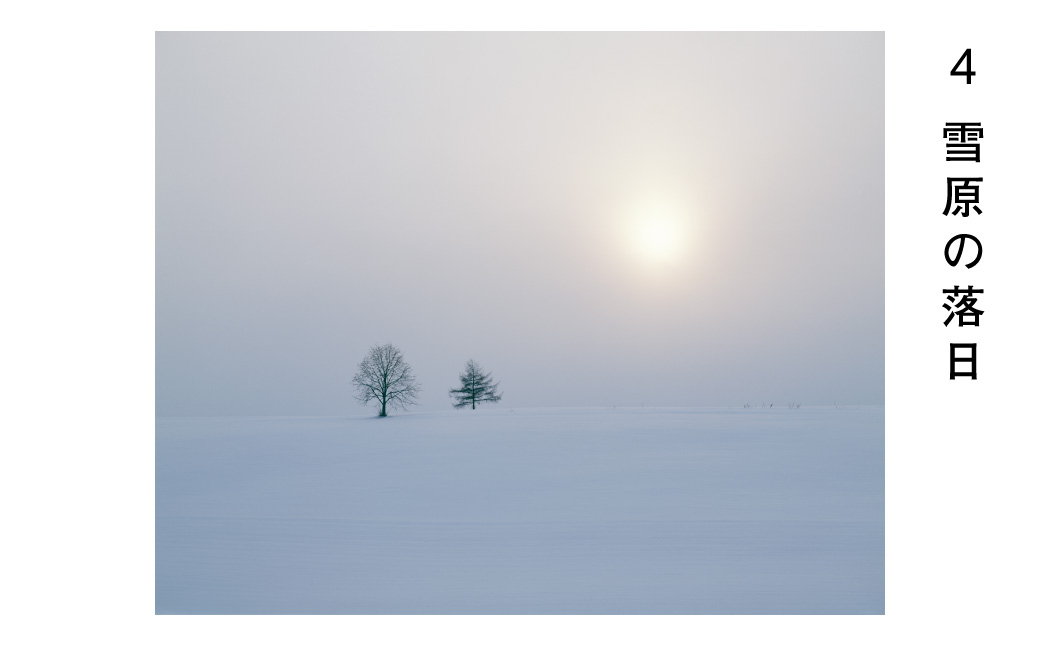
(382, 411)
(474, 403)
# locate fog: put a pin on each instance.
(599, 219)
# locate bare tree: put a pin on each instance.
(476, 387)
(383, 376)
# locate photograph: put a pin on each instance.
(521, 323)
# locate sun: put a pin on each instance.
(658, 233)
(657, 239)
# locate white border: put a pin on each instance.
(77, 255)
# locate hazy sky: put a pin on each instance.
(599, 219)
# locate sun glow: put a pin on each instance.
(659, 233)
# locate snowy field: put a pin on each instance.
(564, 511)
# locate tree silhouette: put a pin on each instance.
(476, 387)
(383, 376)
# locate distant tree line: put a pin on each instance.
(385, 378)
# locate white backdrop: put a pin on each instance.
(77, 258)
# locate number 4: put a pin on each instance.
(966, 72)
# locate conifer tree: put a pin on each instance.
(475, 388)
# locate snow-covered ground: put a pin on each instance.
(571, 511)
